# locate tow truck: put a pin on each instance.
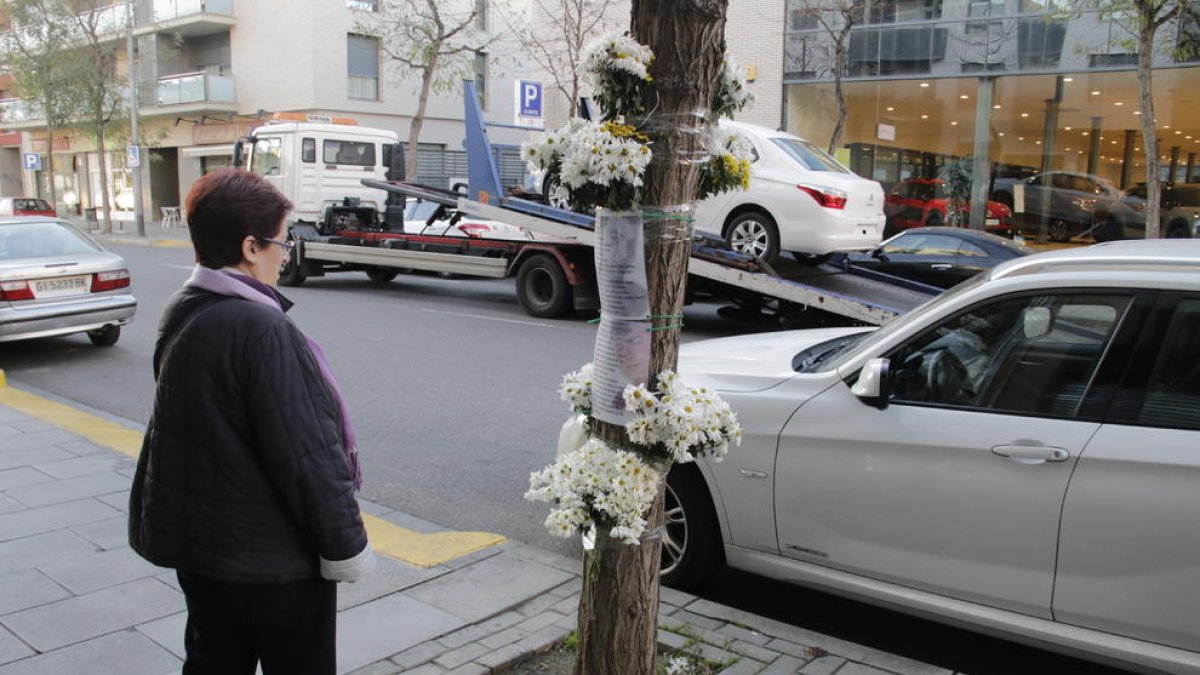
(338, 227)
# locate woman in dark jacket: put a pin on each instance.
(245, 483)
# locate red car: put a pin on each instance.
(922, 202)
(25, 206)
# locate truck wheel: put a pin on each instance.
(542, 287)
(754, 233)
(691, 539)
(381, 276)
(1177, 231)
(105, 337)
(291, 274)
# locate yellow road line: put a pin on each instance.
(389, 539)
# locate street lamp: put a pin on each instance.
(135, 151)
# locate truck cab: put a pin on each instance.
(319, 163)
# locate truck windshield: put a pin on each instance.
(266, 158)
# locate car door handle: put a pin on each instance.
(1031, 453)
(941, 266)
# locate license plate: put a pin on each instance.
(53, 288)
(992, 221)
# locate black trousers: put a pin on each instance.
(291, 627)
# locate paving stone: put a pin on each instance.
(470, 669)
(83, 466)
(488, 587)
(502, 656)
(70, 489)
(671, 640)
(743, 666)
(472, 558)
(99, 570)
(427, 669)
(117, 500)
(422, 653)
(32, 425)
(106, 534)
(860, 669)
(743, 634)
(170, 578)
(538, 604)
(389, 576)
(49, 518)
(843, 648)
(39, 438)
(686, 618)
(572, 566)
(787, 647)
(8, 416)
(674, 597)
(567, 607)
(11, 648)
(377, 510)
(825, 665)
(25, 475)
(83, 617)
(37, 549)
(751, 650)
(378, 668)
(120, 653)
(461, 637)
(784, 665)
(570, 589)
(374, 631)
(9, 505)
(27, 588)
(414, 523)
(167, 632)
(504, 637)
(535, 623)
(544, 639)
(464, 654)
(35, 454)
(84, 448)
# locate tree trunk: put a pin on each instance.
(50, 164)
(1149, 139)
(618, 609)
(105, 201)
(839, 68)
(418, 120)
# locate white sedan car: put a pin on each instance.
(800, 200)
(1020, 454)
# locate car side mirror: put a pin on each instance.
(1035, 322)
(239, 147)
(872, 384)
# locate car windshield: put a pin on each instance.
(810, 156)
(42, 240)
(30, 205)
(867, 344)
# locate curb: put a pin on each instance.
(142, 241)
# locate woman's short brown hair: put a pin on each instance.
(228, 205)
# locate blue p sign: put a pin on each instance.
(530, 98)
(32, 161)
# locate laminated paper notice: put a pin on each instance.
(622, 358)
(621, 266)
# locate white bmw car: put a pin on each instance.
(800, 200)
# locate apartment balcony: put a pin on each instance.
(17, 114)
(189, 93)
(184, 17)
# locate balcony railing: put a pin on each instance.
(15, 110)
(195, 88)
(166, 10)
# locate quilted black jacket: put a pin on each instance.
(241, 476)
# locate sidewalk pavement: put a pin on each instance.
(125, 232)
(74, 598)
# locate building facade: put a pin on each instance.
(209, 71)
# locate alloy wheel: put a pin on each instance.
(675, 532)
(750, 237)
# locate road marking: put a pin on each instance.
(387, 538)
(465, 315)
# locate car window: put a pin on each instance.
(1032, 354)
(1189, 196)
(42, 240)
(1172, 396)
(308, 150)
(969, 250)
(1040, 180)
(30, 205)
(266, 158)
(810, 156)
(348, 152)
(922, 244)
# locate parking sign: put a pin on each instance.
(528, 102)
(32, 161)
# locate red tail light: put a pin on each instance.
(826, 197)
(15, 290)
(110, 281)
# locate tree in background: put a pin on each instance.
(1144, 19)
(435, 40)
(837, 18)
(36, 51)
(558, 44)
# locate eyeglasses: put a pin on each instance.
(285, 245)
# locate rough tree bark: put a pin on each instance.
(618, 607)
(1146, 19)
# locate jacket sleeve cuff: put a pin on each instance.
(350, 569)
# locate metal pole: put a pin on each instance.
(130, 53)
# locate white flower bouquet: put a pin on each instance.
(616, 67)
(732, 94)
(728, 166)
(684, 422)
(597, 164)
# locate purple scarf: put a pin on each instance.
(231, 282)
